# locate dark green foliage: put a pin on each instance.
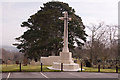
(44, 34)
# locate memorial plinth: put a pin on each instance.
(65, 55)
(68, 64)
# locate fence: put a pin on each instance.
(98, 69)
(43, 68)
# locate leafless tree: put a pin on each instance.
(102, 42)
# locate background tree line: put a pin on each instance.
(102, 46)
(12, 56)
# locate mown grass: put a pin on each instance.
(30, 68)
(90, 69)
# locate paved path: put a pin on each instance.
(58, 75)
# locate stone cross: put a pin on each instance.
(65, 18)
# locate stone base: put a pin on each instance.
(66, 67)
(49, 60)
(68, 64)
(66, 58)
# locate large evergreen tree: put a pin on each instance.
(44, 34)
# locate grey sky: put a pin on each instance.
(14, 13)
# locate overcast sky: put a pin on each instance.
(12, 14)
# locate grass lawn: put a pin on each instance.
(30, 68)
(90, 69)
